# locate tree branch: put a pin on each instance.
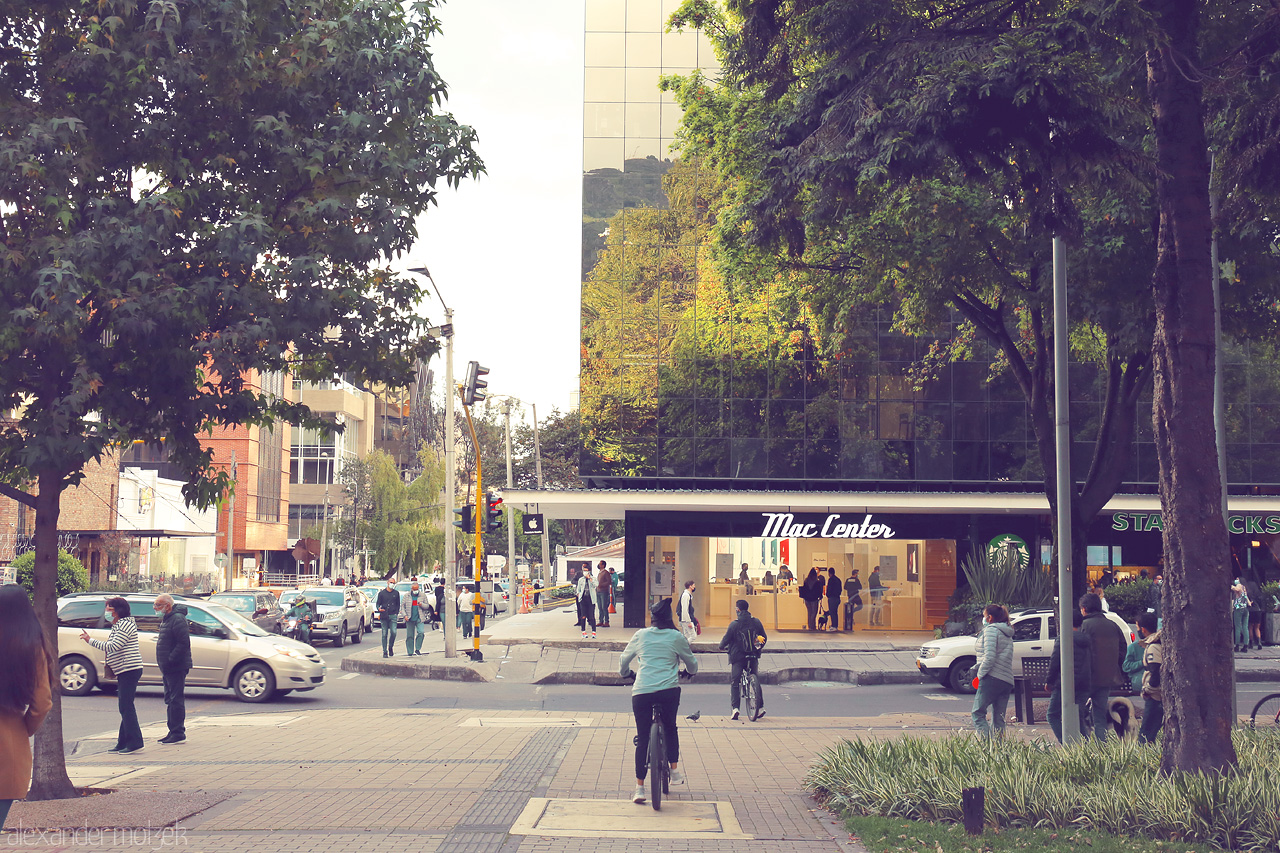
(24, 498)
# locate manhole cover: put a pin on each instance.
(681, 819)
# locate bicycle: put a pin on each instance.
(749, 687)
(656, 763)
(1269, 706)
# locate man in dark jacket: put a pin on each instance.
(852, 599)
(388, 604)
(1108, 644)
(743, 642)
(1082, 652)
(834, 587)
(173, 657)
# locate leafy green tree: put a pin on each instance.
(190, 194)
(72, 575)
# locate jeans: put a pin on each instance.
(811, 605)
(130, 736)
(586, 613)
(850, 608)
(642, 704)
(1152, 720)
(735, 686)
(994, 693)
(602, 606)
(1055, 714)
(388, 623)
(175, 685)
(466, 619)
(4, 811)
(1240, 626)
(1101, 696)
(413, 632)
(833, 607)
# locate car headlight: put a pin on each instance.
(289, 653)
(927, 652)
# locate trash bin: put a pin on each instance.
(1271, 629)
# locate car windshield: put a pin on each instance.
(329, 596)
(235, 620)
(241, 603)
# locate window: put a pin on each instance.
(144, 613)
(202, 624)
(317, 456)
(83, 613)
(1026, 629)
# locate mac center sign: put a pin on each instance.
(783, 525)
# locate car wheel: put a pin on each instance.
(368, 628)
(958, 676)
(279, 628)
(76, 676)
(358, 636)
(254, 682)
(339, 640)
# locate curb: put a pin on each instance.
(803, 673)
(439, 672)
(698, 646)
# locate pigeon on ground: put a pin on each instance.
(694, 716)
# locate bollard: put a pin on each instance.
(973, 805)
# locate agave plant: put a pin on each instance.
(1000, 580)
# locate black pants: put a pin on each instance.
(735, 686)
(130, 736)
(833, 607)
(175, 683)
(642, 704)
(586, 613)
(811, 605)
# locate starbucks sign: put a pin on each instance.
(1009, 546)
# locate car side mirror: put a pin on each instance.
(261, 611)
(220, 632)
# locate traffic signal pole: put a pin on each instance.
(511, 528)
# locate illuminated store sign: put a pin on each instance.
(784, 524)
(1153, 521)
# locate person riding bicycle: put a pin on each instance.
(743, 641)
(660, 647)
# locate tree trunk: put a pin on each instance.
(1197, 655)
(49, 776)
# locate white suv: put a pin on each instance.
(1034, 631)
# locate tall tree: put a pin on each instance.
(190, 193)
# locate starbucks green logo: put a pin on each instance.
(1009, 546)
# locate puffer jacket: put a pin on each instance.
(173, 642)
(995, 652)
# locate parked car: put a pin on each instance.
(948, 660)
(340, 614)
(259, 606)
(489, 597)
(370, 612)
(227, 650)
(375, 587)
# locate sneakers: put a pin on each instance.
(638, 796)
(734, 715)
(584, 635)
(593, 635)
(116, 748)
(761, 714)
(129, 751)
(171, 739)
(677, 778)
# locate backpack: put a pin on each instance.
(746, 639)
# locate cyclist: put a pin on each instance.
(660, 647)
(743, 642)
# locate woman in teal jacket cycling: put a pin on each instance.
(660, 648)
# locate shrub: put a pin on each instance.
(1270, 597)
(1117, 789)
(1127, 600)
(72, 575)
(1003, 581)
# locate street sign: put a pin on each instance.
(532, 524)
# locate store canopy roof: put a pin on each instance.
(615, 503)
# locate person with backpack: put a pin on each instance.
(743, 641)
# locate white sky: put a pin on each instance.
(505, 249)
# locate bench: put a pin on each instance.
(1028, 686)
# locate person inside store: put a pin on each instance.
(811, 593)
(784, 575)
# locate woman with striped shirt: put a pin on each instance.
(125, 660)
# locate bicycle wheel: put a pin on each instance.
(658, 769)
(1266, 714)
(751, 694)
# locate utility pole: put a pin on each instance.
(537, 461)
(1065, 491)
(229, 571)
(511, 528)
(324, 534)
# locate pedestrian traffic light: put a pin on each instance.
(493, 515)
(466, 518)
(473, 388)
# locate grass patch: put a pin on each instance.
(1115, 790)
(894, 835)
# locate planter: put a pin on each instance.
(1271, 629)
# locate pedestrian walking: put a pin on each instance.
(853, 599)
(689, 624)
(173, 657)
(537, 592)
(1152, 692)
(743, 641)
(124, 662)
(995, 670)
(876, 588)
(604, 594)
(26, 691)
(585, 591)
(834, 588)
(466, 609)
(1239, 616)
(1082, 667)
(811, 592)
(439, 592)
(1107, 648)
(388, 604)
(1255, 613)
(416, 611)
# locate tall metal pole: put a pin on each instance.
(1062, 440)
(511, 528)
(230, 571)
(450, 491)
(324, 534)
(537, 461)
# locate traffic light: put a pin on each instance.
(466, 518)
(473, 388)
(493, 515)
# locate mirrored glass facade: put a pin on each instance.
(688, 379)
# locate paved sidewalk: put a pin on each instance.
(448, 781)
(546, 648)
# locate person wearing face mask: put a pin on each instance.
(124, 659)
(1240, 616)
(173, 657)
(388, 605)
(416, 612)
(995, 670)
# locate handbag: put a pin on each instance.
(108, 672)
(697, 628)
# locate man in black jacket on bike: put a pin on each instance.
(741, 642)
